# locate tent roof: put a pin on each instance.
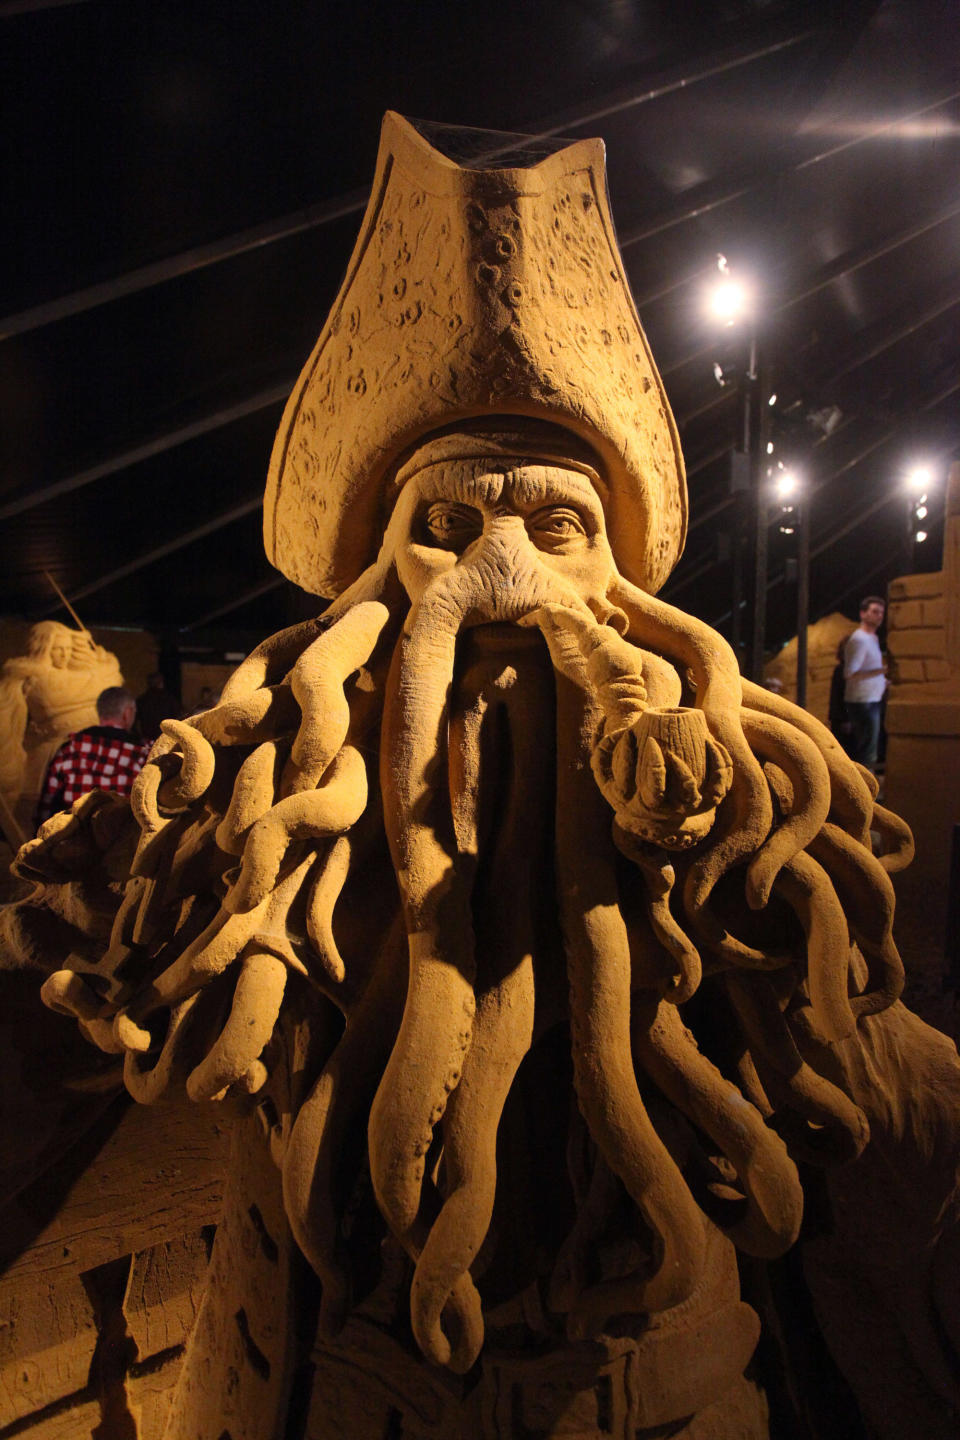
(185, 183)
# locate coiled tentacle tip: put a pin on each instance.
(131, 1035)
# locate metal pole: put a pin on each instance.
(741, 480)
(803, 596)
(736, 580)
(759, 427)
(909, 550)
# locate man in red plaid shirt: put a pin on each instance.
(101, 757)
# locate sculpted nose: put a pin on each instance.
(497, 528)
(504, 538)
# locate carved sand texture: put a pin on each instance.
(539, 946)
(470, 293)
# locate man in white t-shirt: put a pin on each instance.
(865, 681)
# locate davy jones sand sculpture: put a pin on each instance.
(45, 695)
(536, 948)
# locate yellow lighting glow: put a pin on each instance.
(919, 478)
(729, 300)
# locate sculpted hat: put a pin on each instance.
(473, 293)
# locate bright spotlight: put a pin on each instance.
(728, 301)
(769, 447)
(921, 512)
(773, 399)
(787, 484)
(919, 478)
(921, 535)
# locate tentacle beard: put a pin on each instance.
(508, 717)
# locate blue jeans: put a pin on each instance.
(864, 716)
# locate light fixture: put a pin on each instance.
(919, 478)
(921, 512)
(769, 447)
(787, 485)
(728, 299)
(773, 399)
(920, 535)
(826, 419)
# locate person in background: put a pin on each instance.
(155, 704)
(106, 756)
(865, 682)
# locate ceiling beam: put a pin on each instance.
(248, 595)
(160, 552)
(856, 259)
(932, 312)
(877, 443)
(352, 202)
(228, 415)
(11, 8)
(715, 194)
(854, 523)
(859, 586)
(28, 500)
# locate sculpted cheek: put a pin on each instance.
(588, 570)
(419, 565)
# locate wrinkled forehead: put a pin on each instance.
(516, 481)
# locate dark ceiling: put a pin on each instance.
(183, 186)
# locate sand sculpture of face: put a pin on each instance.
(519, 823)
(66, 671)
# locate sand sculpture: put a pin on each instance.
(824, 638)
(45, 695)
(534, 949)
(923, 709)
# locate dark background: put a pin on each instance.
(182, 187)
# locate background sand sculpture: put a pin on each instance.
(539, 954)
(45, 695)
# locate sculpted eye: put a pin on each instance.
(450, 525)
(556, 527)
